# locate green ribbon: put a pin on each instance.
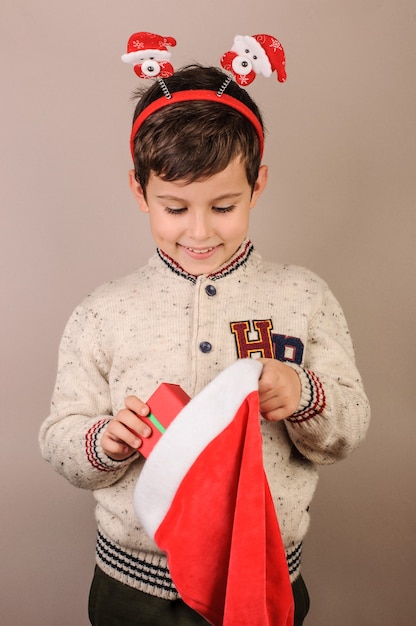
(156, 423)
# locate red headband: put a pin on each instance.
(197, 94)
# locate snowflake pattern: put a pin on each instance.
(275, 45)
(243, 80)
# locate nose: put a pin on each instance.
(199, 226)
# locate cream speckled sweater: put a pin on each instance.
(162, 325)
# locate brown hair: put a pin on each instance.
(195, 139)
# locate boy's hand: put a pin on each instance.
(121, 438)
(279, 390)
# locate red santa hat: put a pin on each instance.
(265, 53)
(203, 497)
(143, 45)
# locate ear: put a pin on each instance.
(137, 192)
(259, 185)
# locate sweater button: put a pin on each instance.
(210, 290)
(205, 346)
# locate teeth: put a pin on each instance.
(201, 251)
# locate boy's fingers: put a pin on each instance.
(133, 403)
(122, 434)
(132, 422)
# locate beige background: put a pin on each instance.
(341, 200)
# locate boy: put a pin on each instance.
(205, 299)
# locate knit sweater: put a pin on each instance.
(161, 324)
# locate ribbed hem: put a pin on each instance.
(148, 572)
(294, 559)
(145, 571)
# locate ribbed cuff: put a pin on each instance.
(313, 400)
(96, 455)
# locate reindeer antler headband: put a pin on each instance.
(249, 56)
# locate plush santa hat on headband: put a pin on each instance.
(252, 55)
(203, 497)
(149, 55)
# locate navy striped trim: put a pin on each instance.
(294, 558)
(145, 572)
(151, 574)
(317, 401)
(91, 440)
(234, 264)
(175, 267)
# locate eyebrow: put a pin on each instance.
(225, 196)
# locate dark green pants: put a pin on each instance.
(113, 604)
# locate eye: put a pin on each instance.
(223, 209)
(173, 211)
(150, 67)
(241, 65)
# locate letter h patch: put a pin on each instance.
(261, 345)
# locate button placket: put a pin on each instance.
(206, 317)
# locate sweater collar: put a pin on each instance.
(238, 260)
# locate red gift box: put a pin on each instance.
(164, 404)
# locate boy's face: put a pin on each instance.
(201, 224)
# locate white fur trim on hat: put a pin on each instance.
(197, 424)
(143, 55)
(261, 64)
